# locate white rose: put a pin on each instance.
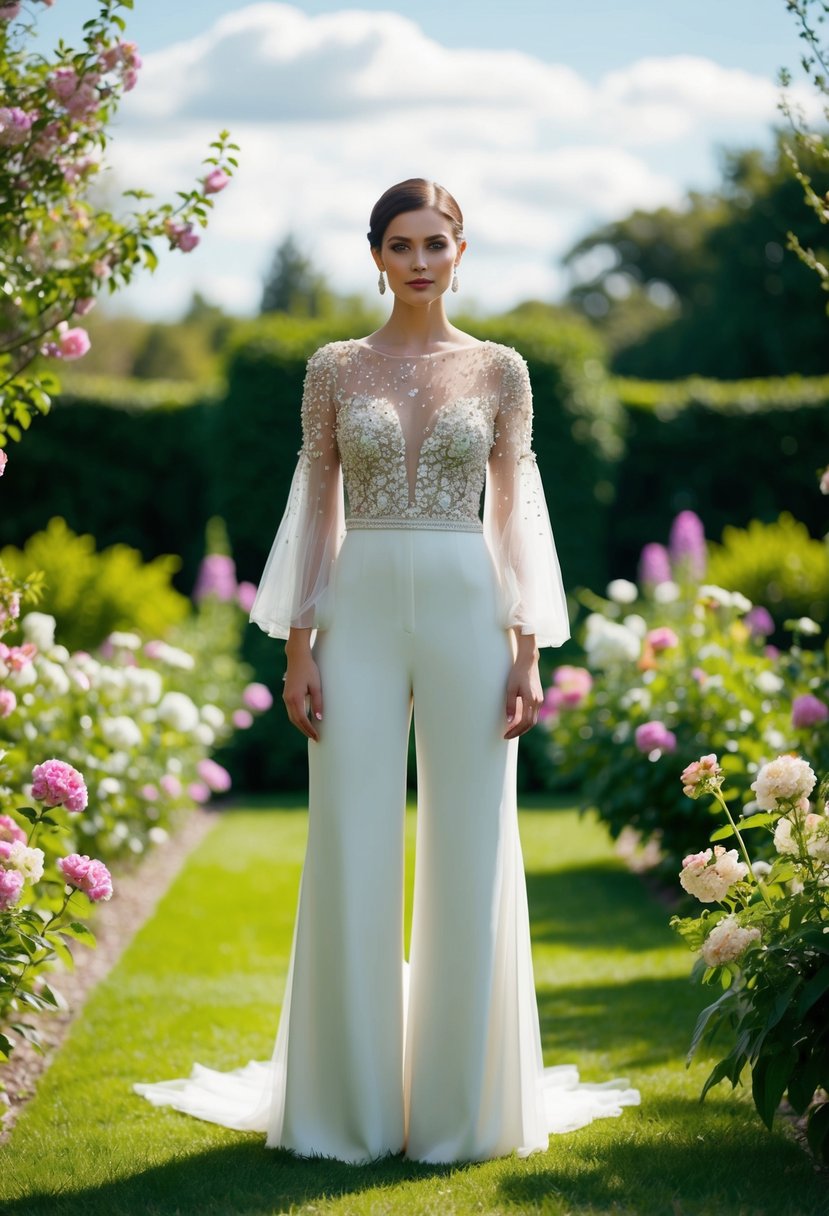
(127, 641)
(28, 861)
(52, 676)
(39, 627)
(121, 732)
(622, 591)
(667, 592)
(204, 735)
(145, 685)
(786, 779)
(213, 716)
(727, 941)
(607, 643)
(636, 624)
(769, 682)
(177, 710)
(108, 787)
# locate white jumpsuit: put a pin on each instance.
(412, 597)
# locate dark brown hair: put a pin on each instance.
(412, 195)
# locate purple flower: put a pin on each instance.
(759, 621)
(654, 736)
(687, 544)
(808, 710)
(217, 576)
(654, 564)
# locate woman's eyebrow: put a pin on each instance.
(434, 237)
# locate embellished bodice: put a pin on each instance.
(413, 433)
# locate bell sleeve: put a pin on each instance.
(295, 580)
(516, 521)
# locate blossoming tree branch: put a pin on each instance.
(57, 250)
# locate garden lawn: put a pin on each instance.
(203, 980)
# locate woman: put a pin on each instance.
(411, 603)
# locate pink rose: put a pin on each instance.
(73, 343)
(8, 702)
(4, 460)
(243, 718)
(181, 236)
(551, 705)
(17, 657)
(808, 710)
(214, 775)
(11, 884)
(654, 736)
(56, 783)
(700, 776)
(573, 683)
(198, 791)
(82, 307)
(257, 697)
(88, 875)
(11, 831)
(662, 638)
(215, 181)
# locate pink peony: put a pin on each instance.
(11, 884)
(4, 460)
(171, 785)
(242, 719)
(8, 702)
(90, 876)
(573, 683)
(17, 657)
(654, 736)
(214, 775)
(808, 710)
(73, 343)
(215, 181)
(257, 697)
(198, 791)
(245, 595)
(56, 783)
(551, 704)
(662, 638)
(701, 776)
(11, 831)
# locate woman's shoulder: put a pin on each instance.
(329, 353)
(506, 356)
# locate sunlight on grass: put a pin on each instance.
(203, 979)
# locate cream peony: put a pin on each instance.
(727, 941)
(710, 881)
(788, 779)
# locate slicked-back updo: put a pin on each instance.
(412, 195)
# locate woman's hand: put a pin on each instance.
(302, 681)
(524, 692)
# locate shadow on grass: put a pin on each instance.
(596, 905)
(674, 1165)
(241, 1178)
(643, 1022)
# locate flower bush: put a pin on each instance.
(674, 666)
(766, 943)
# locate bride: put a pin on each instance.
(399, 598)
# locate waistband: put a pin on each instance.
(405, 521)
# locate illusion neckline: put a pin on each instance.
(432, 354)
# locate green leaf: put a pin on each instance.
(29, 1033)
(6, 1047)
(77, 930)
(769, 1080)
(804, 1081)
(813, 991)
(704, 1018)
(28, 812)
(817, 1131)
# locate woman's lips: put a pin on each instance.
(419, 283)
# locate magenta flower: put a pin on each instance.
(11, 884)
(88, 875)
(216, 777)
(11, 831)
(654, 736)
(56, 783)
(759, 621)
(8, 702)
(574, 683)
(686, 544)
(217, 576)
(662, 638)
(654, 565)
(257, 697)
(215, 181)
(808, 710)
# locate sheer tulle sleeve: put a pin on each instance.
(516, 520)
(294, 582)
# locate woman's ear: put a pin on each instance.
(461, 248)
(378, 261)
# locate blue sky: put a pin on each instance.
(544, 119)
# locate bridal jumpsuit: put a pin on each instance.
(411, 597)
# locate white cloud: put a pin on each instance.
(329, 110)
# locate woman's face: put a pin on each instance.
(419, 255)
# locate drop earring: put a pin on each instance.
(455, 280)
(381, 284)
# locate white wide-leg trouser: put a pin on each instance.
(440, 1058)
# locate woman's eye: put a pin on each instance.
(438, 244)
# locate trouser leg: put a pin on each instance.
(345, 1037)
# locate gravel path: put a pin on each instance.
(114, 922)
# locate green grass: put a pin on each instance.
(203, 979)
